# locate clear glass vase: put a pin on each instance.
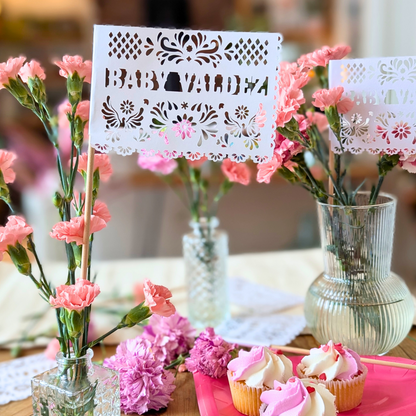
(77, 387)
(205, 252)
(357, 300)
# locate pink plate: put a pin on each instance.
(388, 391)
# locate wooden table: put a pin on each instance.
(184, 399)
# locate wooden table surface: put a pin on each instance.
(184, 399)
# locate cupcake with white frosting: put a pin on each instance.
(298, 398)
(252, 373)
(340, 370)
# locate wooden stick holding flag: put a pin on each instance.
(87, 212)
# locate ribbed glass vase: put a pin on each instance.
(357, 300)
(205, 252)
(77, 387)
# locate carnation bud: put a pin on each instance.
(387, 163)
(4, 189)
(37, 88)
(57, 200)
(74, 322)
(78, 137)
(77, 253)
(19, 256)
(290, 130)
(96, 179)
(74, 85)
(19, 91)
(334, 121)
(136, 315)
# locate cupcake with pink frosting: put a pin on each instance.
(340, 370)
(252, 373)
(298, 398)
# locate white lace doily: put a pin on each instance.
(15, 376)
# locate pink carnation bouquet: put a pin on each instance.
(73, 299)
(300, 127)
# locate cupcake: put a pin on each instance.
(340, 370)
(252, 373)
(298, 398)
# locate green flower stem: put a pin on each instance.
(225, 187)
(180, 360)
(374, 194)
(45, 283)
(102, 337)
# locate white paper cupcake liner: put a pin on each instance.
(348, 393)
(245, 399)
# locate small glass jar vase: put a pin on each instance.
(357, 300)
(77, 387)
(205, 252)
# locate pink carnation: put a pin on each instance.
(71, 64)
(15, 231)
(157, 163)
(290, 100)
(170, 336)
(75, 297)
(292, 76)
(144, 384)
(236, 172)
(101, 210)
(31, 69)
(101, 162)
(196, 164)
(408, 163)
(64, 132)
(52, 349)
(321, 57)
(6, 161)
(286, 148)
(210, 355)
(319, 119)
(10, 69)
(82, 111)
(327, 98)
(73, 231)
(157, 298)
(138, 293)
(266, 170)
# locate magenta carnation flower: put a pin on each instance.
(210, 355)
(144, 384)
(170, 336)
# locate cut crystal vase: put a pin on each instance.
(77, 387)
(205, 253)
(357, 300)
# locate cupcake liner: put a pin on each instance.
(348, 393)
(245, 399)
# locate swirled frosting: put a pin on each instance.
(298, 398)
(260, 367)
(332, 361)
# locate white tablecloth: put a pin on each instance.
(290, 271)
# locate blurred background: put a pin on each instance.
(148, 219)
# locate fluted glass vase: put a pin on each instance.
(77, 387)
(205, 252)
(357, 300)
